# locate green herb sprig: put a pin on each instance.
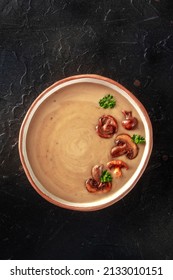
(106, 177)
(107, 101)
(138, 139)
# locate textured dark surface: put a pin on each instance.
(44, 41)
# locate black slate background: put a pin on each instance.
(130, 41)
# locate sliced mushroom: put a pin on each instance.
(119, 149)
(94, 187)
(91, 185)
(96, 172)
(124, 145)
(117, 165)
(94, 184)
(107, 126)
(130, 122)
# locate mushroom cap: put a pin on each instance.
(131, 147)
(130, 122)
(117, 163)
(96, 172)
(107, 126)
(93, 186)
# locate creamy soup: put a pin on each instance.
(63, 146)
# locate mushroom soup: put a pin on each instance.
(71, 140)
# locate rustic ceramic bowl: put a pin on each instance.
(102, 201)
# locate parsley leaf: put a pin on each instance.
(107, 101)
(138, 139)
(106, 177)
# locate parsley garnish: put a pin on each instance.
(138, 139)
(106, 177)
(107, 101)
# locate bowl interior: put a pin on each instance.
(58, 133)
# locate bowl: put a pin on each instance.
(64, 153)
